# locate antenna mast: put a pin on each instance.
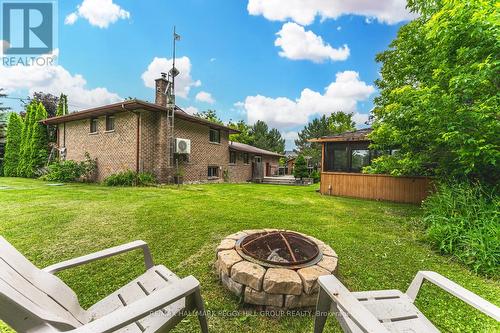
(171, 103)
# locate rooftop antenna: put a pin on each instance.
(170, 92)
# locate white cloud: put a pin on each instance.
(191, 110)
(339, 28)
(55, 80)
(298, 44)
(213, 59)
(99, 13)
(204, 96)
(183, 82)
(343, 94)
(305, 11)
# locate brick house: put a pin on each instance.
(134, 135)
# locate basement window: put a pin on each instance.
(214, 135)
(110, 123)
(232, 157)
(213, 172)
(93, 125)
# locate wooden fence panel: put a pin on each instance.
(376, 187)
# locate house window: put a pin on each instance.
(110, 123)
(347, 157)
(213, 172)
(359, 159)
(246, 160)
(258, 159)
(214, 135)
(340, 160)
(93, 125)
(232, 157)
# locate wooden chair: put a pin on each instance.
(387, 310)
(35, 300)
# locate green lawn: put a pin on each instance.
(377, 243)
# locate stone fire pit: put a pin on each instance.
(274, 268)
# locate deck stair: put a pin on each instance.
(281, 181)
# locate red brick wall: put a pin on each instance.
(203, 152)
(115, 151)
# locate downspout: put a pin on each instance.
(137, 137)
(137, 143)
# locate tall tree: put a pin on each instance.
(244, 136)
(336, 123)
(267, 139)
(259, 133)
(49, 101)
(13, 145)
(210, 115)
(62, 105)
(3, 126)
(24, 149)
(38, 142)
(439, 99)
(275, 141)
(3, 95)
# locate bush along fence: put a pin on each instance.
(26, 149)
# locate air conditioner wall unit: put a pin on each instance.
(182, 146)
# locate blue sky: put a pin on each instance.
(284, 62)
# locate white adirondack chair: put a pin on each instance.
(35, 300)
(384, 311)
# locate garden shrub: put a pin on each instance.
(300, 168)
(315, 176)
(145, 179)
(69, 171)
(462, 220)
(125, 178)
(130, 178)
(64, 171)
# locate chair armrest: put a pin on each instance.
(141, 308)
(456, 290)
(346, 302)
(138, 244)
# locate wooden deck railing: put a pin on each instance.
(376, 187)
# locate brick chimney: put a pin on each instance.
(161, 86)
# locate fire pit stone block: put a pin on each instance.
(226, 260)
(301, 301)
(262, 298)
(233, 286)
(309, 276)
(329, 263)
(226, 244)
(249, 274)
(282, 281)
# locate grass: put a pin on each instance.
(377, 243)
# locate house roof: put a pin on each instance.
(131, 105)
(358, 135)
(251, 149)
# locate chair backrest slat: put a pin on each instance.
(38, 296)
